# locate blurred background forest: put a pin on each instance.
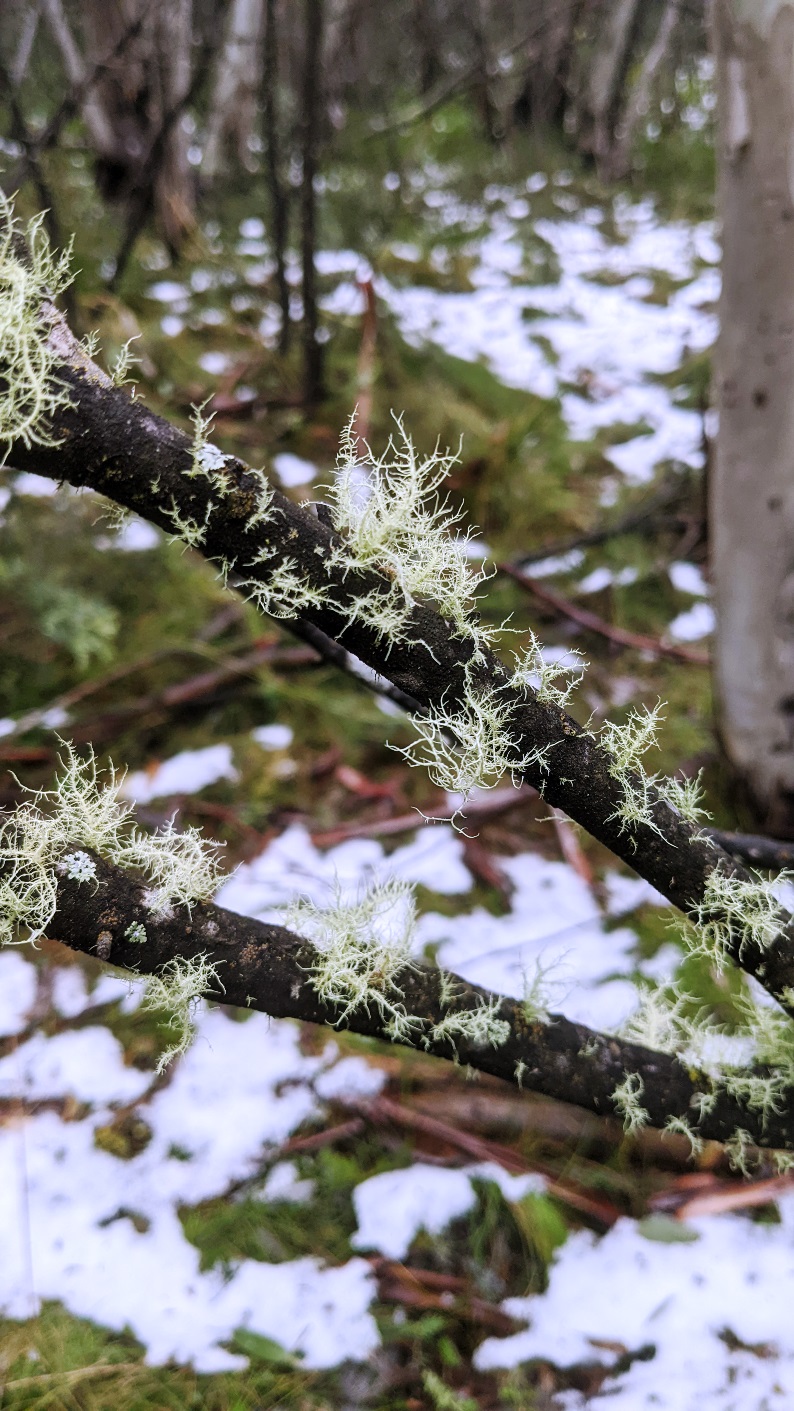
(497, 218)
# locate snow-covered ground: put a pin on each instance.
(595, 336)
(598, 339)
(80, 1225)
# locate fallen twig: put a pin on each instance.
(593, 623)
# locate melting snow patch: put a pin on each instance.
(679, 1298)
(184, 773)
(292, 470)
(273, 737)
(556, 926)
(605, 337)
(687, 578)
(393, 1207)
(690, 626)
(135, 536)
(17, 991)
(242, 1088)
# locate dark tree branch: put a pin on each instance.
(753, 848)
(269, 968)
(121, 449)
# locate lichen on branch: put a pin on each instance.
(30, 391)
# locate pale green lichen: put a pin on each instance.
(682, 1127)
(553, 682)
(734, 910)
(626, 1097)
(480, 1026)
(287, 591)
(392, 517)
(120, 370)
(84, 811)
(136, 933)
(739, 1149)
(207, 459)
(686, 797)
(362, 946)
(626, 745)
(80, 867)
(31, 393)
(468, 745)
(177, 989)
(187, 529)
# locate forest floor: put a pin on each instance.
(303, 1219)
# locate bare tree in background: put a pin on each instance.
(232, 118)
(313, 11)
(132, 111)
(752, 494)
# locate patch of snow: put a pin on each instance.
(27, 483)
(135, 536)
(17, 991)
(555, 924)
(273, 737)
(292, 865)
(167, 291)
(605, 337)
(215, 363)
(293, 470)
(595, 581)
(82, 1063)
(349, 1078)
(284, 1183)
(513, 1188)
(241, 1088)
(393, 1207)
(185, 773)
(560, 563)
(252, 228)
(696, 622)
(677, 1297)
(625, 894)
(687, 578)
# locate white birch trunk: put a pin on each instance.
(232, 117)
(752, 489)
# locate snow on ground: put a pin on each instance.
(185, 773)
(597, 329)
(717, 1310)
(66, 1221)
(66, 1226)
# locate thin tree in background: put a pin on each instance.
(278, 191)
(752, 499)
(310, 141)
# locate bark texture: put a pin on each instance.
(269, 968)
(752, 491)
(118, 447)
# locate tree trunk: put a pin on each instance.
(278, 190)
(752, 490)
(618, 162)
(132, 113)
(232, 117)
(605, 79)
(310, 135)
(541, 100)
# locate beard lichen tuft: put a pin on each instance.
(362, 946)
(31, 393)
(45, 836)
(177, 989)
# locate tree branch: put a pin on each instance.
(119, 448)
(269, 968)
